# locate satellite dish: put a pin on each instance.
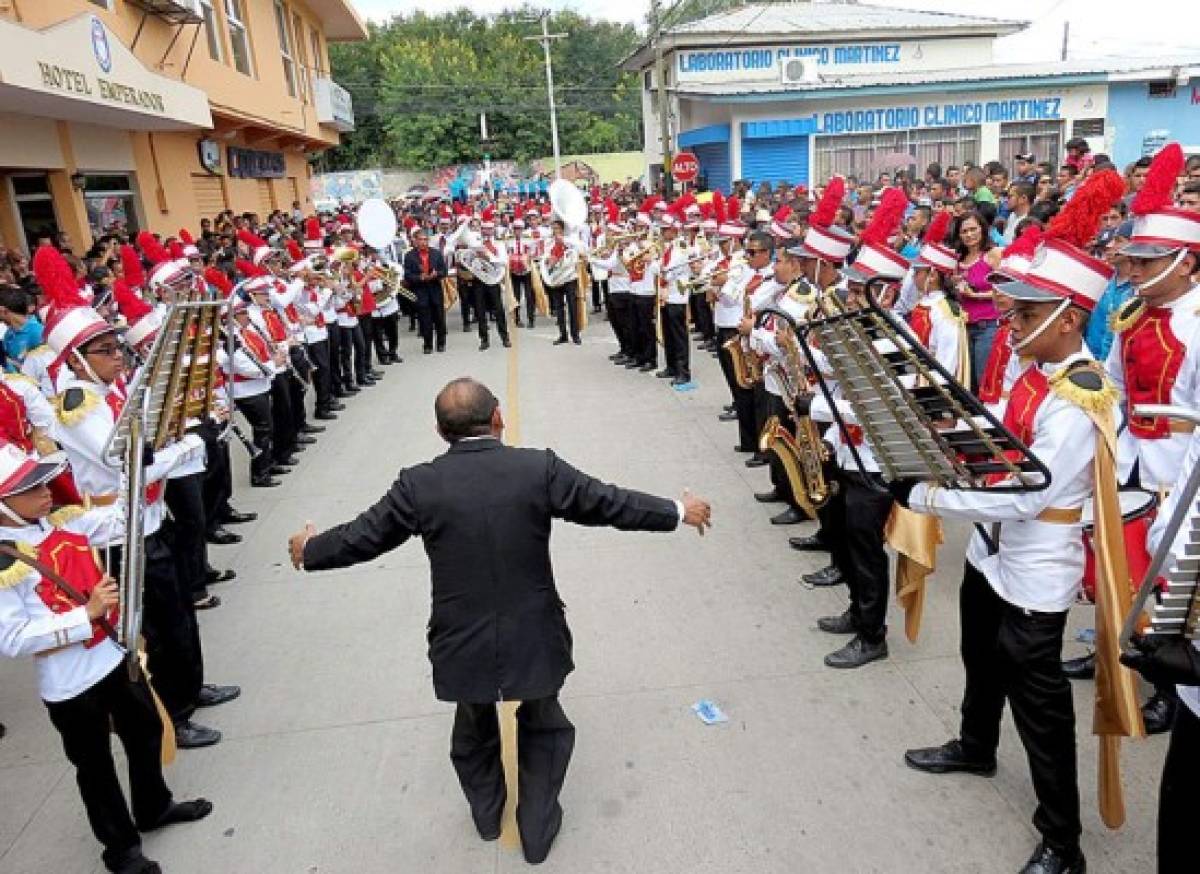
(376, 223)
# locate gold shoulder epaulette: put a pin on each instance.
(74, 405)
(65, 514)
(11, 570)
(1086, 385)
(1126, 315)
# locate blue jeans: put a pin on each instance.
(982, 336)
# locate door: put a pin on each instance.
(35, 206)
(775, 159)
(266, 198)
(714, 165)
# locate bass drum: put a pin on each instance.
(1138, 509)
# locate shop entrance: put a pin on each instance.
(35, 206)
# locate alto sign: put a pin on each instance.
(685, 167)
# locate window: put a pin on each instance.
(211, 30)
(1163, 88)
(1042, 138)
(301, 59)
(1087, 127)
(318, 58)
(285, 48)
(109, 199)
(239, 38)
(865, 155)
(35, 207)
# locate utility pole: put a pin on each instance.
(1066, 37)
(660, 78)
(545, 40)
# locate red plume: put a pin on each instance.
(1026, 244)
(611, 210)
(488, 214)
(935, 231)
(886, 218)
(733, 209)
(247, 268)
(312, 229)
(1079, 220)
(129, 303)
(826, 210)
(218, 279)
(649, 202)
(186, 236)
(718, 205)
(176, 249)
(131, 267)
(1158, 191)
(294, 250)
(782, 214)
(254, 241)
(684, 202)
(152, 249)
(56, 278)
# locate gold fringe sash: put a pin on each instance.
(916, 538)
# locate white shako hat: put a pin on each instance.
(733, 230)
(1159, 227)
(831, 244)
(20, 473)
(143, 329)
(73, 327)
(876, 258)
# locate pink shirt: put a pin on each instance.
(977, 277)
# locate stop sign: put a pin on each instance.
(685, 167)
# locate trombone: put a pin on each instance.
(611, 243)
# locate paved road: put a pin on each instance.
(335, 758)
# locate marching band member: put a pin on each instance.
(1155, 355)
(489, 302)
(424, 270)
(313, 303)
(1022, 577)
(1003, 367)
(596, 240)
(285, 436)
(558, 252)
(669, 271)
(385, 319)
(637, 259)
(620, 293)
(936, 318)
(58, 605)
(522, 253)
(254, 366)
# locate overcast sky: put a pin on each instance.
(1097, 28)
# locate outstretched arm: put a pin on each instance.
(380, 529)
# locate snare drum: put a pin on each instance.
(1138, 509)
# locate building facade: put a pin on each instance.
(156, 113)
(800, 91)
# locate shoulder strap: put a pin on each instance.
(55, 577)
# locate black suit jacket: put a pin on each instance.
(412, 271)
(484, 511)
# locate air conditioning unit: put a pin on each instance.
(798, 71)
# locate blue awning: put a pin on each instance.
(780, 127)
(713, 133)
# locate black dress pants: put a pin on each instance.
(864, 561)
(619, 305)
(283, 427)
(702, 315)
(386, 332)
(466, 301)
(522, 285)
(1015, 655)
(84, 721)
(566, 309)
(675, 340)
(296, 406)
(257, 410)
(185, 499)
(743, 398)
(545, 741)
(762, 409)
(362, 355)
(174, 658)
(337, 339)
(345, 354)
(1177, 796)
(599, 292)
(322, 379)
(645, 344)
(431, 314)
(217, 485)
(366, 325)
(488, 302)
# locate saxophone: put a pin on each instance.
(747, 368)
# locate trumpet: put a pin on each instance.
(637, 261)
(611, 243)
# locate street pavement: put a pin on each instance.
(335, 758)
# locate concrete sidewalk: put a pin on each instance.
(335, 759)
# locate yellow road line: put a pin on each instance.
(509, 837)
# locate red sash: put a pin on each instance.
(921, 322)
(1028, 393)
(991, 381)
(14, 419)
(275, 327)
(70, 555)
(1152, 356)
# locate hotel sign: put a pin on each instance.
(78, 82)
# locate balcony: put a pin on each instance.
(335, 107)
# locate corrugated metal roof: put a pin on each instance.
(818, 18)
(1105, 67)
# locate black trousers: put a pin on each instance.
(743, 398)
(488, 302)
(386, 330)
(431, 314)
(645, 344)
(562, 301)
(856, 539)
(283, 426)
(84, 722)
(367, 326)
(599, 292)
(296, 390)
(545, 741)
(217, 485)
(257, 410)
(1176, 796)
(322, 378)
(702, 316)
(185, 499)
(337, 339)
(174, 658)
(522, 284)
(362, 354)
(1015, 655)
(776, 407)
(675, 340)
(466, 301)
(762, 409)
(619, 305)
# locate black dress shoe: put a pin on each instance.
(756, 460)
(615, 356)
(339, 393)
(190, 736)
(1047, 860)
(179, 811)
(207, 602)
(745, 450)
(134, 862)
(212, 577)
(578, 341)
(618, 360)
(727, 416)
(506, 343)
(312, 429)
(221, 537)
(305, 440)
(290, 461)
(352, 389)
(633, 364)
(211, 696)
(234, 517)
(729, 408)
(1082, 668)
(441, 347)
(790, 516)
(377, 374)
(646, 368)
(428, 350)
(665, 373)
(484, 345)
(264, 482)
(336, 406)
(768, 497)
(808, 543)
(1158, 713)
(856, 653)
(561, 341)
(280, 470)
(325, 415)
(950, 758)
(365, 382)
(827, 576)
(841, 624)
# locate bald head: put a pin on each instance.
(466, 408)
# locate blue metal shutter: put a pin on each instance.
(775, 159)
(714, 165)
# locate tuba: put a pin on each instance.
(482, 268)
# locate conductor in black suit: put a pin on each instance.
(497, 630)
(424, 270)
